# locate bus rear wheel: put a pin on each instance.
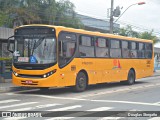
(131, 78)
(81, 82)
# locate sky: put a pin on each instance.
(146, 16)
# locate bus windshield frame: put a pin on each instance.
(34, 49)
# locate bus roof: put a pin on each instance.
(81, 31)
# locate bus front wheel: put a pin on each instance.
(81, 82)
(131, 78)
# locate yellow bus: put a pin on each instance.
(47, 56)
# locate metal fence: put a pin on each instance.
(5, 69)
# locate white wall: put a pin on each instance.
(5, 33)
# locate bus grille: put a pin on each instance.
(30, 76)
(23, 82)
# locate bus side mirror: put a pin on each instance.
(9, 47)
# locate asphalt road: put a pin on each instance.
(112, 101)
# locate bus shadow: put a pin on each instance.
(51, 91)
(112, 85)
(68, 90)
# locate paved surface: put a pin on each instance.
(7, 85)
(143, 96)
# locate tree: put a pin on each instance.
(39, 11)
(66, 15)
(128, 32)
(149, 36)
(144, 35)
(3, 18)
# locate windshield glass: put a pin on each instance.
(34, 50)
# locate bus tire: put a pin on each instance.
(81, 82)
(131, 78)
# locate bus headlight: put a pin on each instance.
(16, 74)
(45, 76)
(49, 73)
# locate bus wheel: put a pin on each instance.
(81, 82)
(131, 78)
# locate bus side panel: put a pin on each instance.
(69, 73)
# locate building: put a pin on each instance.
(157, 58)
(5, 33)
(94, 24)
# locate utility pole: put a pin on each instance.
(111, 17)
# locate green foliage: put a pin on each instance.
(5, 59)
(128, 32)
(144, 35)
(2, 18)
(149, 36)
(39, 12)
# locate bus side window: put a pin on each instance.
(125, 49)
(115, 50)
(134, 50)
(148, 50)
(102, 45)
(141, 50)
(86, 46)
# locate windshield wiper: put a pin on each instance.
(36, 44)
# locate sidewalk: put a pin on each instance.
(157, 73)
(7, 84)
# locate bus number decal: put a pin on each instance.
(73, 68)
(148, 63)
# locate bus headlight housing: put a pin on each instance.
(49, 73)
(16, 74)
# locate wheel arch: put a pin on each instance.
(85, 72)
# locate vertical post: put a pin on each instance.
(111, 17)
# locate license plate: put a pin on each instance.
(29, 81)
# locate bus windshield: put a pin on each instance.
(35, 50)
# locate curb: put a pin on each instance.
(3, 80)
(5, 89)
(13, 88)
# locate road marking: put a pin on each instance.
(21, 104)
(110, 118)
(8, 101)
(126, 102)
(66, 108)
(109, 101)
(36, 107)
(14, 118)
(119, 90)
(60, 118)
(100, 109)
(65, 117)
(61, 98)
(158, 103)
(155, 118)
(10, 94)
